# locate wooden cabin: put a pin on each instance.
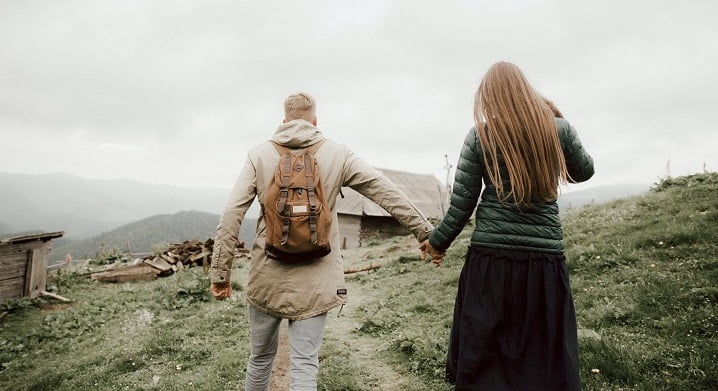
(23, 265)
(361, 220)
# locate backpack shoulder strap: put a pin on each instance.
(311, 190)
(285, 171)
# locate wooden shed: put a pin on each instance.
(361, 220)
(23, 265)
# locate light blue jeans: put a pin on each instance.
(305, 339)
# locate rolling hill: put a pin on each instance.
(148, 234)
(83, 208)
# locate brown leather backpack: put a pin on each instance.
(297, 216)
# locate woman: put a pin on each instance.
(514, 322)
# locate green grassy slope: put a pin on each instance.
(645, 279)
(644, 274)
(166, 334)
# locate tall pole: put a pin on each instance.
(448, 168)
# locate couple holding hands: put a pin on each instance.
(514, 324)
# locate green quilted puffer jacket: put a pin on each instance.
(535, 228)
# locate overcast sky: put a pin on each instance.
(177, 92)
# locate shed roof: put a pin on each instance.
(29, 238)
(424, 190)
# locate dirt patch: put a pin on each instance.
(54, 307)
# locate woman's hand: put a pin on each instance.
(435, 255)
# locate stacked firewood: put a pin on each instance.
(177, 257)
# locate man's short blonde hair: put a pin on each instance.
(299, 106)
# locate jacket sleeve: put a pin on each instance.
(227, 236)
(578, 162)
(464, 195)
(372, 184)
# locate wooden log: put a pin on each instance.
(56, 297)
(139, 272)
(361, 269)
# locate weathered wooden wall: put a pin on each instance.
(349, 231)
(23, 269)
(379, 227)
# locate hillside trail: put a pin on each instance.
(340, 329)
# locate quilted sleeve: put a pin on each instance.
(464, 196)
(578, 162)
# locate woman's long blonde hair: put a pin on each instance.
(515, 121)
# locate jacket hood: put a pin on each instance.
(297, 133)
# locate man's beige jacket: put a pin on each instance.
(302, 290)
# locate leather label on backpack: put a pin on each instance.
(300, 209)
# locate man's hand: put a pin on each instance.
(221, 290)
(435, 255)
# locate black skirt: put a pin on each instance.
(514, 323)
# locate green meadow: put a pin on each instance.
(644, 274)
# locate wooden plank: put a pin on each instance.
(165, 258)
(18, 270)
(13, 249)
(201, 255)
(361, 269)
(43, 237)
(54, 296)
(159, 264)
(13, 266)
(13, 288)
(37, 271)
(12, 258)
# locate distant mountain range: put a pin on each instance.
(85, 207)
(108, 214)
(148, 234)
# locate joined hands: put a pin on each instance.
(435, 255)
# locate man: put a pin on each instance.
(301, 292)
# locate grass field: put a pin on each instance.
(644, 272)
